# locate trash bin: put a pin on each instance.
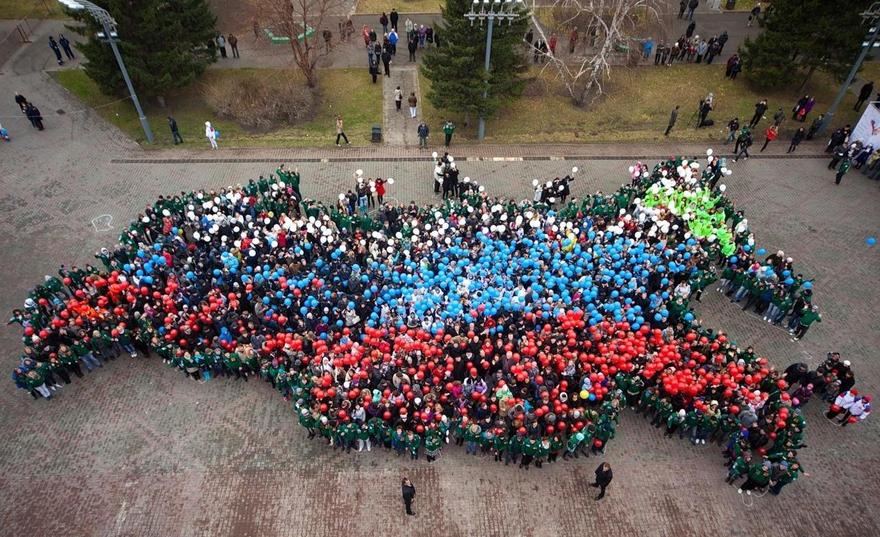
(731, 4)
(377, 134)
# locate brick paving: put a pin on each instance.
(137, 449)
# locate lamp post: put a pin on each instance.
(109, 35)
(491, 10)
(872, 17)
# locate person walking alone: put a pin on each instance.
(211, 135)
(770, 135)
(176, 138)
(409, 493)
(760, 108)
(413, 101)
(603, 479)
(796, 140)
(340, 133)
(864, 94)
(673, 117)
(841, 171)
(398, 98)
(422, 131)
(448, 130)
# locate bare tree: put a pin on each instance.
(606, 23)
(302, 21)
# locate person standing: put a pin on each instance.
(398, 98)
(413, 102)
(211, 135)
(65, 44)
(778, 117)
(393, 17)
(221, 44)
(448, 130)
(393, 38)
(422, 131)
(233, 43)
(841, 171)
(383, 20)
(796, 140)
(54, 46)
(412, 45)
(340, 133)
(386, 61)
(176, 138)
(864, 94)
(572, 40)
(760, 108)
(603, 479)
(673, 117)
(732, 127)
(770, 135)
(409, 493)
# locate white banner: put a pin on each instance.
(868, 128)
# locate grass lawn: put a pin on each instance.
(343, 92)
(403, 6)
(31, 9)
(637, 108)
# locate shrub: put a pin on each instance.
(261, 100)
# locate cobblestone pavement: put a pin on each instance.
(140, 450)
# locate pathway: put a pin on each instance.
(399, 128)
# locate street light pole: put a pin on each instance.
(871, 16)
(109, 34)
(491, 10)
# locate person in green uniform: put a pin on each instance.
(808, 317)
(448, 130)
(413, 443)
(738, 467)
(432, 443)
(758, 477)
(308, 421)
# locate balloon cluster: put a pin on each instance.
(528, 321)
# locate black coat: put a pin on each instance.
(603, 477)
(409, 492)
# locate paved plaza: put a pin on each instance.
(137, 449)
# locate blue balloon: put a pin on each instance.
(871, 241)
(761, 251)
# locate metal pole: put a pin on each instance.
(829, 115)
(481, 128)
(137, 105)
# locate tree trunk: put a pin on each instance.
(160, 99)
(807, 79)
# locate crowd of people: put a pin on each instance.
(382, 49)
(518, 329)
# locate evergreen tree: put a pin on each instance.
(164, 44)
(801, 36)
(456, 69)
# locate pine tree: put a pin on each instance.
(801, 36)
(456, 69)
(164, 44)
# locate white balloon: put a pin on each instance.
(722, 188)
(390, 180)
(574, 169)
(709, 152)
(359, 172)
(434, 154)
